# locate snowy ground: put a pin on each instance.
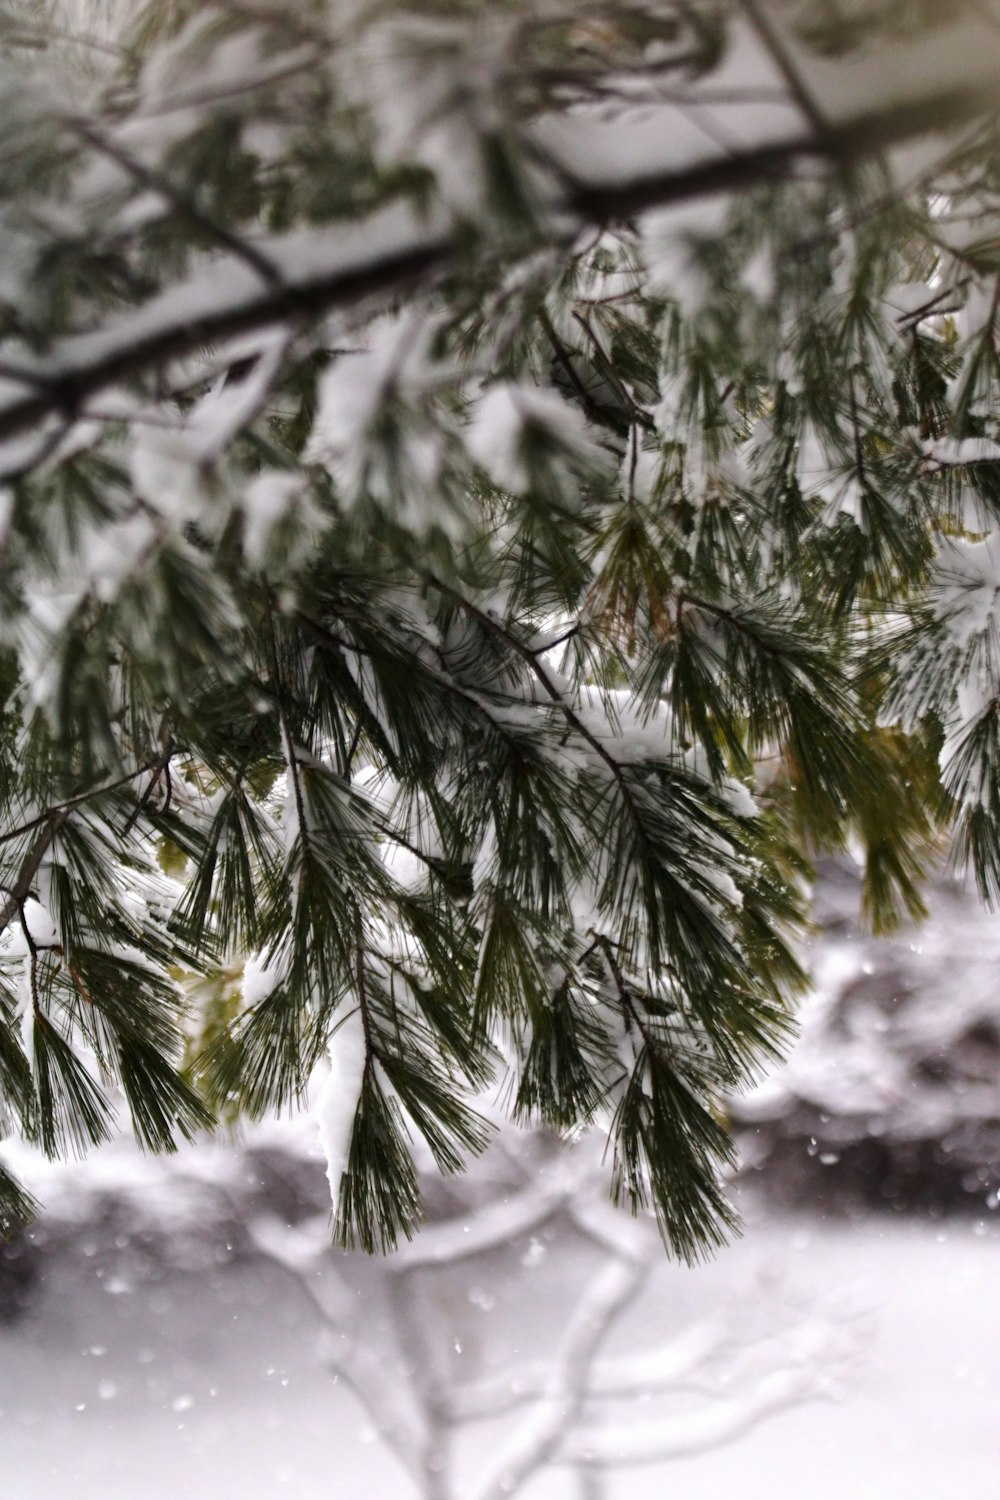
(116, 1387)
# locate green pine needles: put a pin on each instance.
(465, 551)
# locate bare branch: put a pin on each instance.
(673, 1367)
(769, 35)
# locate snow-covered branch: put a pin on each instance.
(629, 1445)
(316, 270)
(564, 1392)
(484, 1229)
(388, 1398)
(754, 1358)
(623, 1377)
(601, 169)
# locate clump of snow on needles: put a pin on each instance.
(434, 89)
(336, 1101)
(512, 421)
(967, 576)
(377, 432)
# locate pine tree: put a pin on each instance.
(489, 492)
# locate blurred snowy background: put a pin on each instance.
(181, 1327)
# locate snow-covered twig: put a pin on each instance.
(541, 1436)
(484, 1229)
(387, 1398)
(632, 1444)
(622, 1377)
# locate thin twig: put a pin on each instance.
(786, 67)
(158, 771)
(62, 808)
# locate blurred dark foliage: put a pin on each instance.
(891, 1099)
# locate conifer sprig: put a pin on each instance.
(442, 598)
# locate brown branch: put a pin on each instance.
(629, 1010)
(162, 768)
(862, 136)
(36, 1004)
(562, 355)
(21, 889)
(144, 349)
(604, 363)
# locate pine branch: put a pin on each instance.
(187, 209)
(530, 656)
(412, 251)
